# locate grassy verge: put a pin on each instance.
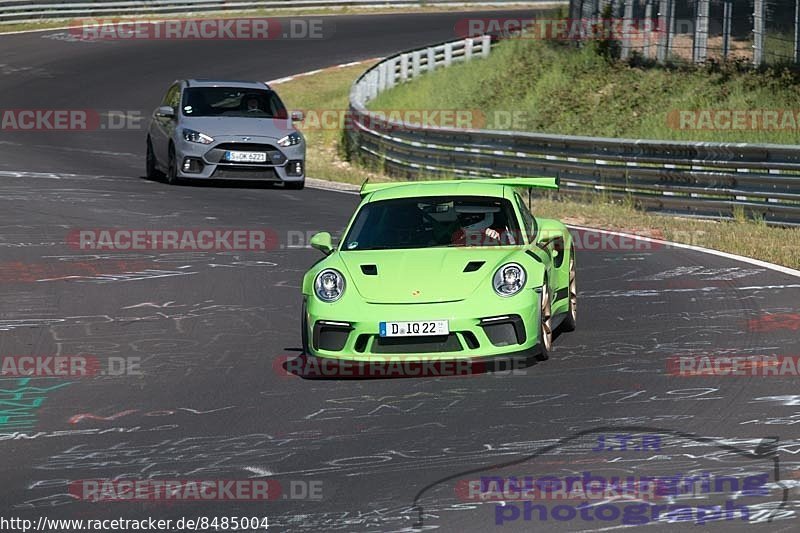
(323, 98)
(556, 88)
(739, 236)
(328, 90)
(288, 12)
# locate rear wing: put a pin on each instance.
(538, 183)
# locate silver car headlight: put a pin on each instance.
(329, 285)
(290, 140)
(196, 137)
(509, 279)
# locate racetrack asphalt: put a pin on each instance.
(209, 331)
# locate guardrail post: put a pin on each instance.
(700, 48)
(448, 54)
(727, 13)
(382, 68)
(373, 84)
(647, 27)
(758, 33)
(431, 59)
(486, 44)
(665, 8)
(404, 67)
(797, 31)
(415, 61)
(468, 44)
(391, 72)
(627, 20)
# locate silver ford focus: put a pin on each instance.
(235, 130)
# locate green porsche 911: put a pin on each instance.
(441, 270)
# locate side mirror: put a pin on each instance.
(322, 242)
(297, 116)
(165, 111)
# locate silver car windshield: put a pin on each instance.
(231, 101)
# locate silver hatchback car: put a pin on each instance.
(236, 130)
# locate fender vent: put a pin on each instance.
(369, 270)
(472, 266)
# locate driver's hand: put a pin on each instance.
(492, 234)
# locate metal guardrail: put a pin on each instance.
(23, 11)
(699, 178)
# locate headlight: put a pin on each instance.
(509, 279)
(290, 140)
(329, 285)
(196, 137)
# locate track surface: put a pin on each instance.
(209, 327)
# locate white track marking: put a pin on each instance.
(749, 260)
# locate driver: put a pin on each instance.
(477, 228)
(253, 104)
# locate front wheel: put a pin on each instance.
(150, 162)
(172, 169)
(545, 325)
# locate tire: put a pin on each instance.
(294, 185)
(570, 321)
(545, 325)
(151, 168)
(172, 168)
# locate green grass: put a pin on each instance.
(531, 85)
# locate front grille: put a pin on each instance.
(274, 156)
(245, 173)
(246, 147)
(409, 345)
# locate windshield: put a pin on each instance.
(232, 101)
(433, 221)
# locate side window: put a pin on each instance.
(175, 98)
(172, 97)
(528, 221)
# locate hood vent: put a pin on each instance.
(369, 270)
(472, 266)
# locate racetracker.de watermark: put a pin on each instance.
(560, 29)
(734, 366)
(197, 239)
(245, 29)
(68, 366)
(177, 490)
(38, 119)
(397, 366)
(386, 119)
(734, 119)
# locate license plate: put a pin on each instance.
(246, 157)
(414, 329)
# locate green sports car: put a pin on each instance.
(441, 270)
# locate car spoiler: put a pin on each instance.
(539, 183)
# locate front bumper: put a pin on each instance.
(503, 328)
(207, 161)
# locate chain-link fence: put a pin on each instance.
(755, 31)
